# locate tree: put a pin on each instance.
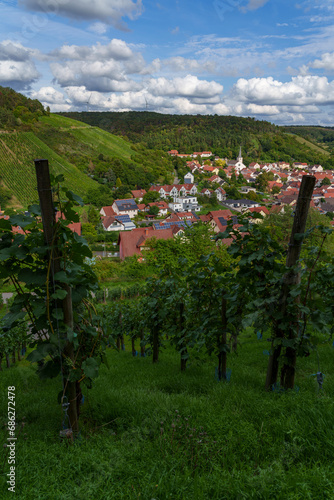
(150, 197)
(154, 210)
(326, 182)
(118, 182)
(93, 216)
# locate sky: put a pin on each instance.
(268, 59)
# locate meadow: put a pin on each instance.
(149, 431)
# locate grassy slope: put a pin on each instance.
(95, 137)
(309, 144)
(18, 152)
(259, 445)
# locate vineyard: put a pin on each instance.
(17, 154)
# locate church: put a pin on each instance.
(237, 164)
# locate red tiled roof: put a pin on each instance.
(108, 211)
(259, 210)
(130, 242)
(220, 213)
(138, 193)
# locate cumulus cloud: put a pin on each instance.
(51, 97)
(189, 86)
(99, 67)
(300, 91)
(256, 109)
(95, 76)
(326, 62)
(48, 95)
(116, 49)
(17, 70)
(106, 11)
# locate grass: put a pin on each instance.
(309, 144)
(136, 441)
(18, 151)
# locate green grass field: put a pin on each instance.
(150, 432)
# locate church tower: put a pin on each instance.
(239, 156)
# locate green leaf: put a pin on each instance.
(5, 225)
(35, 209)
(32, 278)
(62, 277)
(74, 197)
(49, 370)
(90, 367)
(58, 314)
(21, 220)
(59, 294)
(59, 178)
(71, 335)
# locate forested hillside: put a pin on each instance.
(322, 136)
(223, 135)
(16, 110)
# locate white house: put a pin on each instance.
(185, 204)
(118, 223)
(125, 207)
(189, 178)
(221, 194)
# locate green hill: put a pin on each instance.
(18, 150)
(260, 140)
(321, 136)
(102, 155)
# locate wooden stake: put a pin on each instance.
(291, 278)
(49, 221)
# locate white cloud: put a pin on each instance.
(98, 28)
(48, 95)
(51, 97)
(17, 70)
(116, 49)
(100, 67)
(189, 86)
(300, 91)
(106, 11)
(326, 62)
(256, 109)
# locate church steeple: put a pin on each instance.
(239, 156)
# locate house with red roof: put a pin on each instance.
(138, 194)
(220, 193)
(133, 242)
(107, 211)
(216, 179)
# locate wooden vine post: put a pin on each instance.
(49, 222)
(184, 350)
(291, 278)
(222, 341)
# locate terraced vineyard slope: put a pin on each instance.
(18, 150)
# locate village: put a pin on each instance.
(177, 207)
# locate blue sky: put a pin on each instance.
(269, 59)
